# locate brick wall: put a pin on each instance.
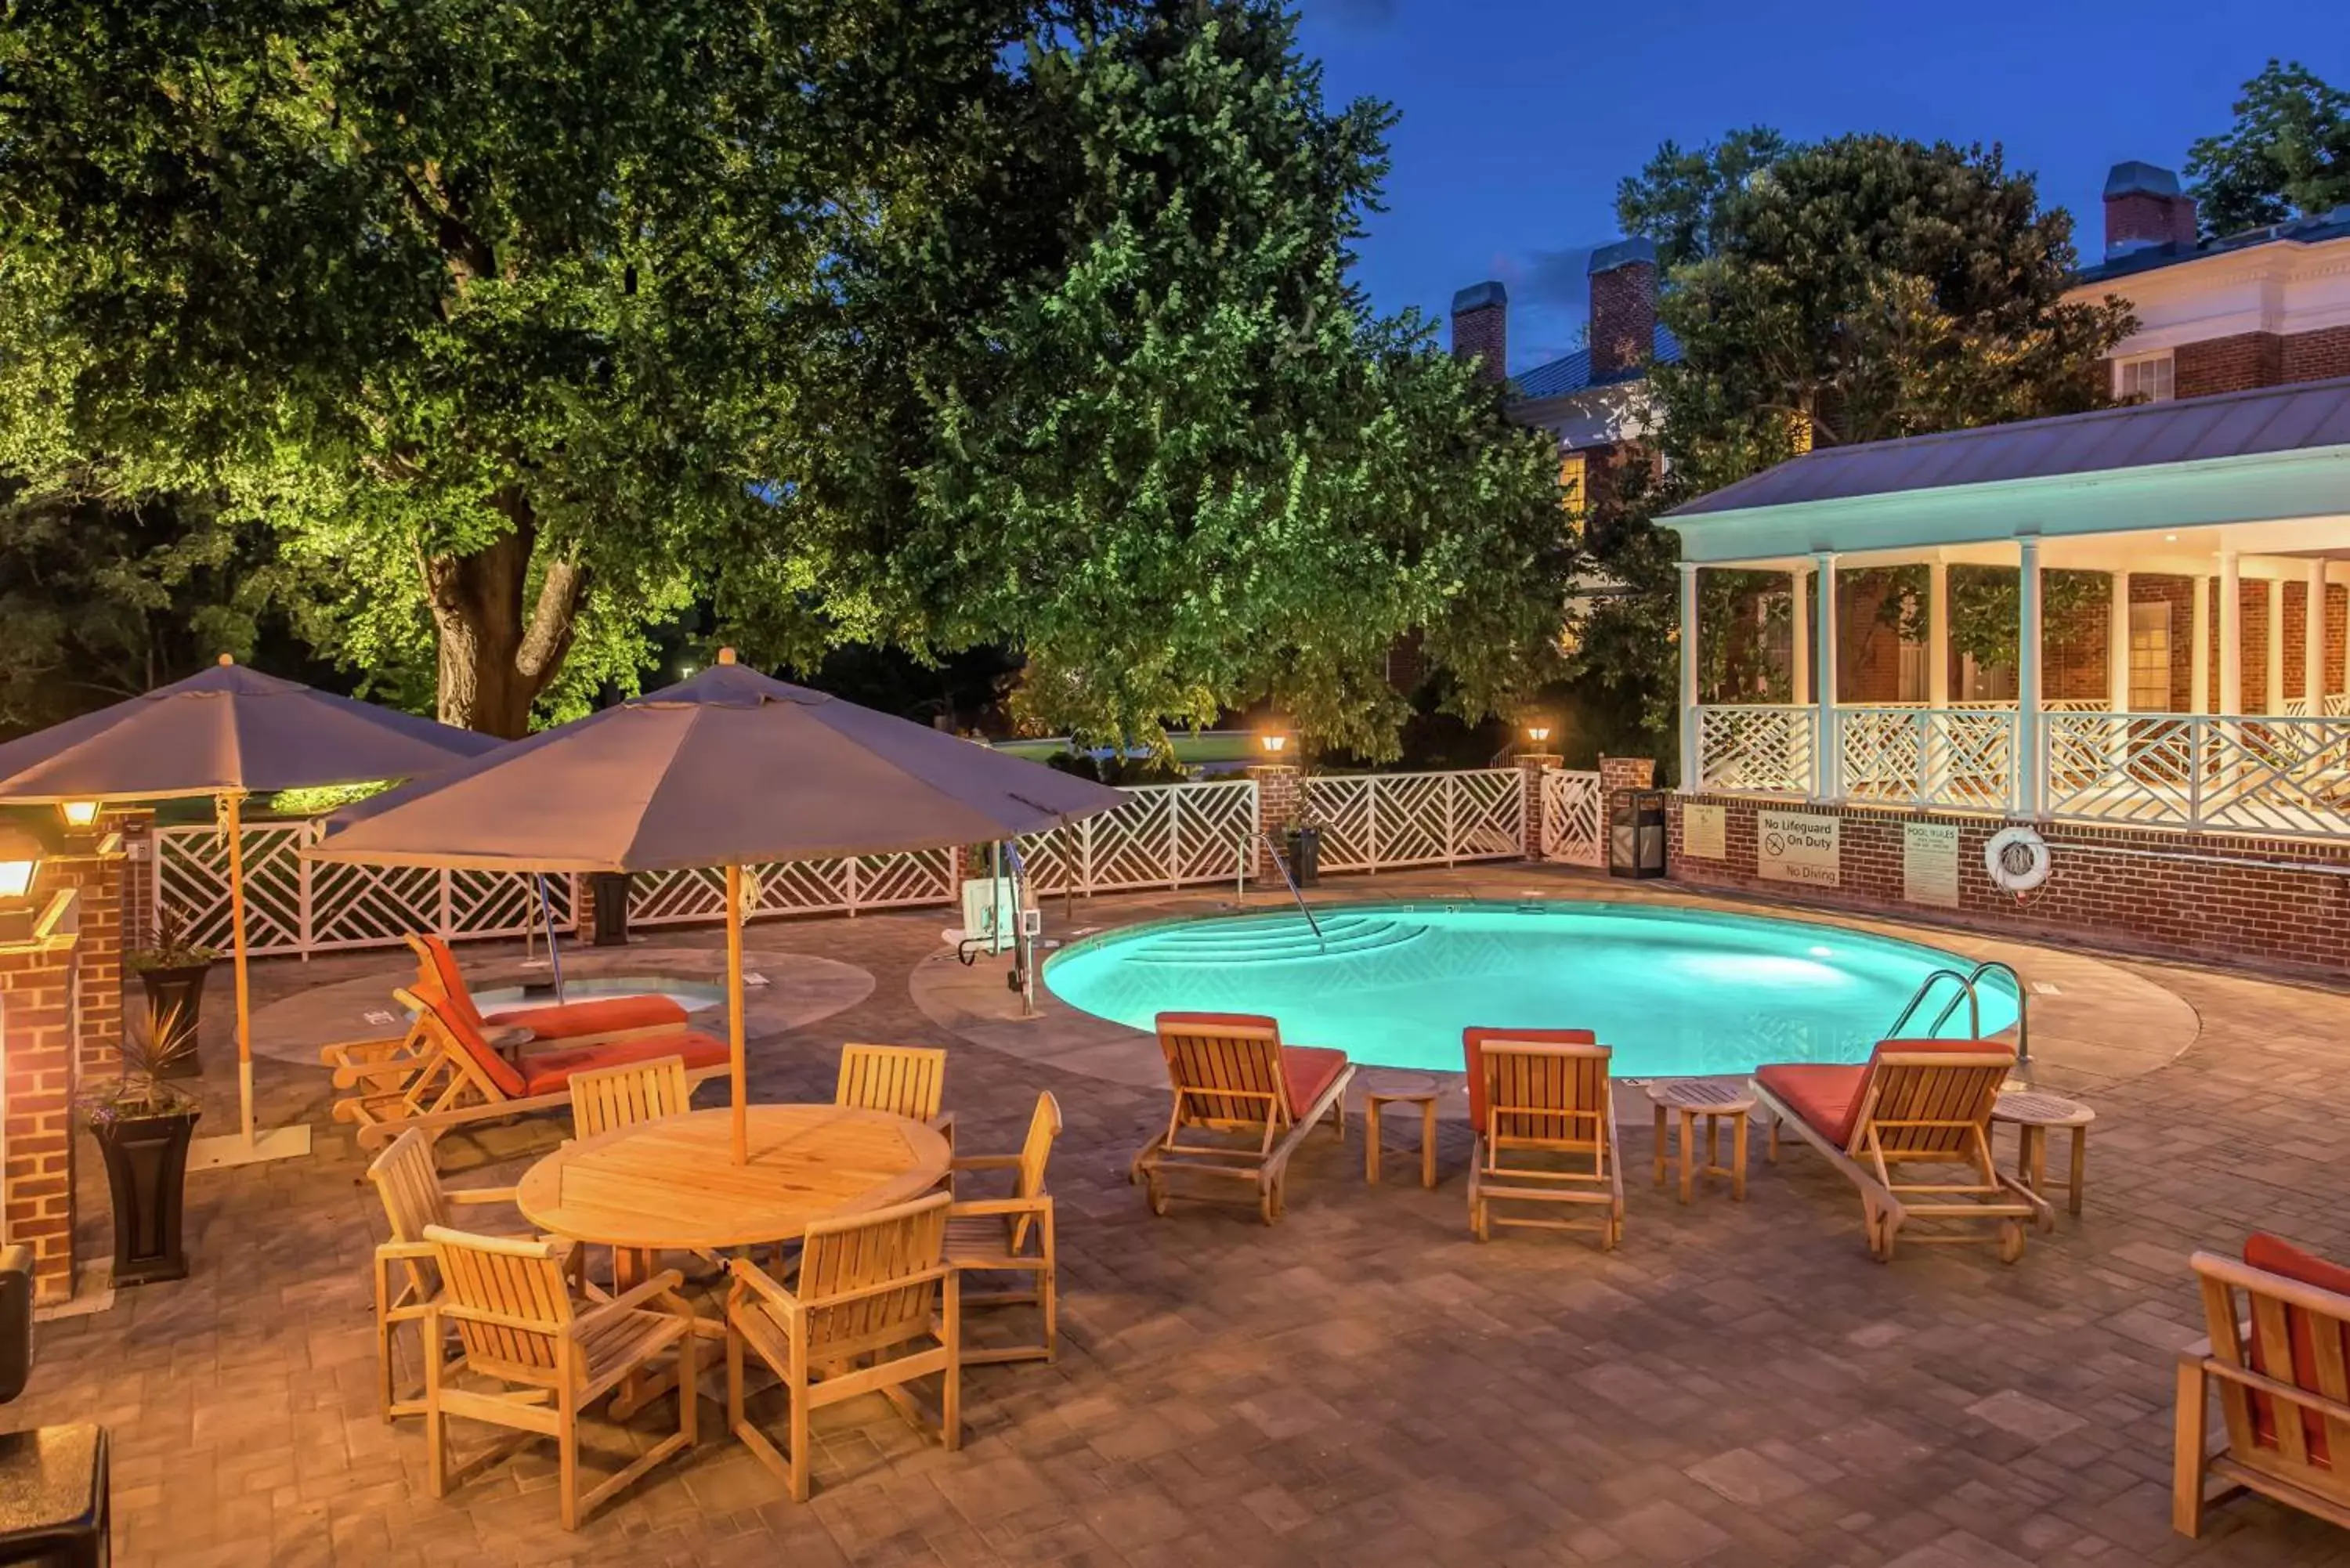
(96, 876)
(38, 980)
(2252, 600)
(136, 824)
(2316, 356)
(2157, 893)
(1279, 795)
(1482, 333)
(2232, 364)
(2074, 651)
(1623, 317)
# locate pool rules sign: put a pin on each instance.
(1795, 846)
(1929, 863)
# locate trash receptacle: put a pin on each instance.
(1305, 852)
(611, 894)
(1635, 833)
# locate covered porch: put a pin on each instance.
(2202, 637)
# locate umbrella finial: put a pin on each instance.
(725, 656)
(225, 659)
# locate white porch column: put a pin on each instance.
(2029, 771)
(1826, 759)
(1688, 760)
(1799, 645)
(2274, 690)
(1938, 634)
(2312, 640)
(2198, 701)
(2118, 645)
(2232, 636)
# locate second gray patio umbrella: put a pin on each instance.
(729, 768)
(228, 732)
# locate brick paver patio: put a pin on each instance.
(1363, 1384)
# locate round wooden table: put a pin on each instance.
(2032, 1112)
(673, 1183)
(1715, 1102)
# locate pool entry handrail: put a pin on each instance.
(1967, 983)
(1280, 864)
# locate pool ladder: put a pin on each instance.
(1281, 863)
(1966, 993)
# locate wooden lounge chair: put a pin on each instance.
(466, 1080)
(1011, 1235)
(2276, 1355)
(1536, 1094)
(1914, 1102)
(519, 1326)
(899, 1080)
(1231, 1076)
(406, 1276)
(874, 1309)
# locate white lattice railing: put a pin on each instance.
(1758, 749)
(1378, 821)
(1572, 828)
(1957, 757)
(2266, 775)
(293, 905)
(838, 886)
(1166, 836)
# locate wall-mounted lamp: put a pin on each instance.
(79, 814)
(20, 862)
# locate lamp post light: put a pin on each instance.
(80, 815)
(1275, 742)
(20, 862)
(1537, 732)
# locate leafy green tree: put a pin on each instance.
(2287, 155)
(1827, 294)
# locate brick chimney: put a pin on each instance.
(2144, 207)
(1623, 308)
(1480, 328)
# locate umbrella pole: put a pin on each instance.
(229, 811)
(734, 1009)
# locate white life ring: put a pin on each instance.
(2017, 859)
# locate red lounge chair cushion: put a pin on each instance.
(606, 1015)
(550, 1071)
(1472, 1050)
(1827, 1097)
(2276, 1256)
(1306, 1071)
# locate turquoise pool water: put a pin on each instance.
(1675, 992)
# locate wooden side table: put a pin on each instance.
(1692, 1098)
(1426, 1100)
(2032, 1112)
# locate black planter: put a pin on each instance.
(146, 1166)
(179, 994)
(1305, 852)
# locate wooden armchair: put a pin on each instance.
(1537, 1095)
(1011, 1235)
(2279, 1345)
(606, 1098)
(519, 1326)
(901, 1080)
(406, 1278)
(874, 1309)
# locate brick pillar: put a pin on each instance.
(95, 868)
(37, 985)
(1280, 796)
(136, 826)
(1617, 775)
(1531, 767)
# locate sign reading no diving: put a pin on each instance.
(1797, 847)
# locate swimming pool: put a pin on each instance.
(1675, 992)
(690, 995)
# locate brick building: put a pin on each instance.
(2262, 308)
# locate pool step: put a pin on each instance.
(1239, 950)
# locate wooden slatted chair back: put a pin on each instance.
(628, 1095)
(871, 1281)
(2299, 1334)
(437, 969)
(902, 1079)
(1225, 1071)
(1545, 1094)
(409, 1183)
(465, 1046)
(1931, 1105)
(1035, 1153)
(511, 1304)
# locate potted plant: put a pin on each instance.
(1301, 846)
(172, 972)
(142, 1125)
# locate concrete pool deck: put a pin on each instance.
(1362, 1387)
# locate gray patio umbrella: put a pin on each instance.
(227, 733)
(729, 768)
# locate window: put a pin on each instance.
(2146, 376)
(1570, 482)
(2149, 657)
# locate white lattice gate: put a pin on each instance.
(1381, 821)
(1572, 828)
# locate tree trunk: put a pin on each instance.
(496, 655)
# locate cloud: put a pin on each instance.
(1363, 14)
(1555, 277)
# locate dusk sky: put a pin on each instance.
(1519, 117)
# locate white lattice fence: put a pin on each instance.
(293, 905)
(1382, 820)
(1572, 830)
(1764, 749)
(1166, 836)
(843, 885)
